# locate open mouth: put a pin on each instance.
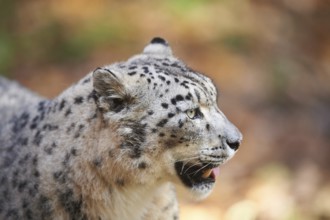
(192, 175)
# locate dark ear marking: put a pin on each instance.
(116, 104)
(112, 94)
(159, 40)
(158, 46)
(99, 68)
(110, 72)
(105, 81)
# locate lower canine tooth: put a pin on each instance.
(207, 173)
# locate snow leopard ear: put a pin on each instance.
(111, 92)
(158, 46)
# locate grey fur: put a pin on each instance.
(106, 147)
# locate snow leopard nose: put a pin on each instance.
(234, 145)
(233, 136)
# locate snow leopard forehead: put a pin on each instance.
(157, 67)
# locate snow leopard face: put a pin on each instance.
(167, 118)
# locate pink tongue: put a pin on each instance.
(216, 171)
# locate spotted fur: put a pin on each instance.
(108, 147)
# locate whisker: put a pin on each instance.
(196, 164)
(186, 159)
(201, 168)
(190, 158)
(184, 166)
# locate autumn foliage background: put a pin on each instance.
(269, 58)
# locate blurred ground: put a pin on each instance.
(270, 59)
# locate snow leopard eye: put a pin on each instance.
(194, 113)
(191, 113)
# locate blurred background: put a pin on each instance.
(269, 58)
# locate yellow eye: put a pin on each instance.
(191, 113)
(194, 113)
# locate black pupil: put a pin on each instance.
(197, 113)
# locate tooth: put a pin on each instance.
(207, 173)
